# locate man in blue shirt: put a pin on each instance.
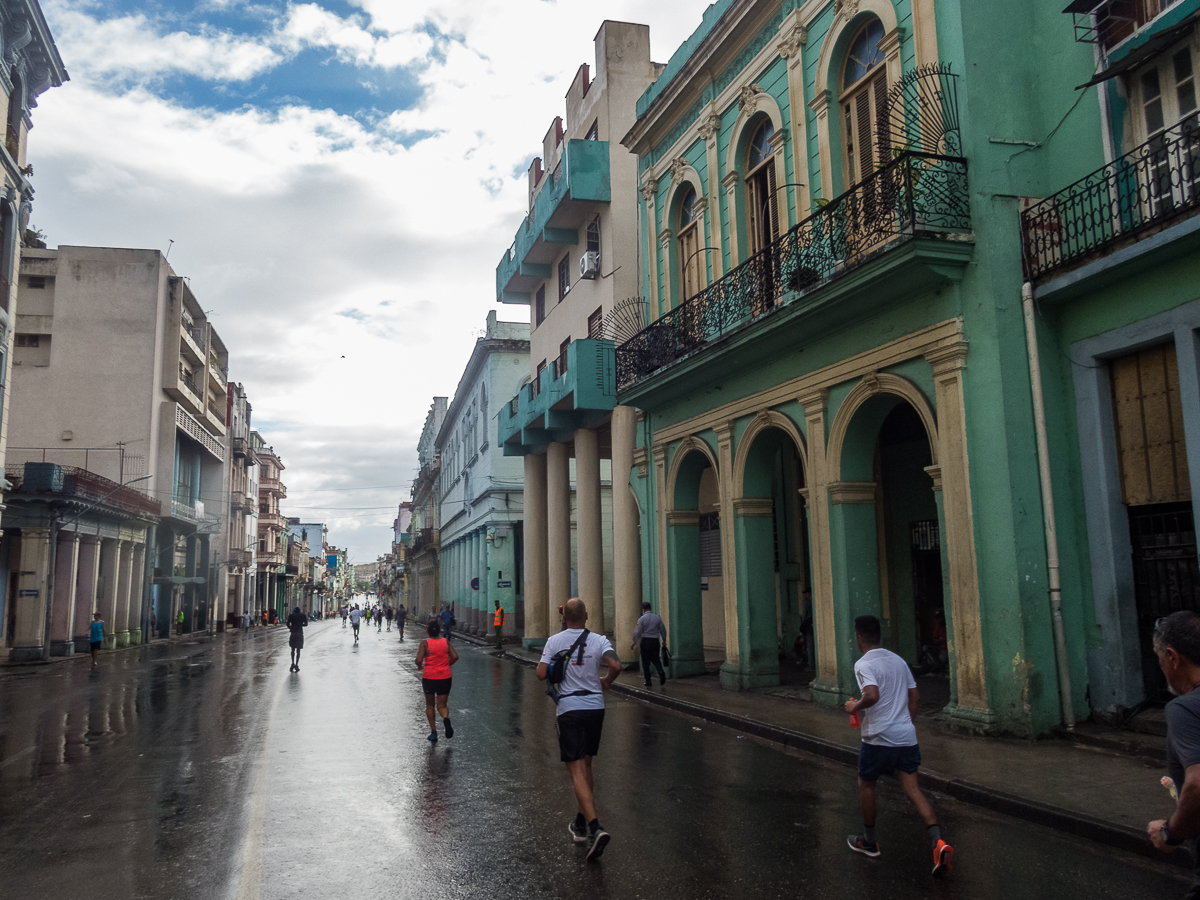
(97, 636)
(447, 621)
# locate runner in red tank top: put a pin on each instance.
(434, 659)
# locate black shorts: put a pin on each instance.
(96, 645)
(579, 733)
(875, 760)
(296, 641)
(436, 686)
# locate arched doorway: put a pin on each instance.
(772, 550)
(887, 535)
(696, 617)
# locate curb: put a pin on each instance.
(1121, 837)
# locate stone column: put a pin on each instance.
(66, 565)
(29, 631)
(110, 584)
(485, 580)
(825, 685)
(627, 568)
(758, 644)
(558, 524)
(121, 607)
(136, 590)
(87, 581)
(590, 539)
(536, 571)
(730, 669)
(686, 604)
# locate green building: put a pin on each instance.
(834, 378)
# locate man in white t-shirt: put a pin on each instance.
(580, 714)
(355, 619)
(888, 711)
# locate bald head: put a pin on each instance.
(574, 613)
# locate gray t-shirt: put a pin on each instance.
(1183, 747)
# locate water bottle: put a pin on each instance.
(855, 722)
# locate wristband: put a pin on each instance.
(1165, 834)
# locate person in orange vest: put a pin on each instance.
(498, 621)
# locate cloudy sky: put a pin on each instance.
(339, 180)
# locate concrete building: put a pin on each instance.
(117, 372)
(241, 557)
(272, 532)
(575, 261)
(423, 559)
(312, 535)
(478, 488)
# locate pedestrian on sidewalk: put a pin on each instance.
(355, 618)
(96, 638)
(401, 616)
(580, 714)
(435, 656)
(498, 624)
(650, 636)
(389, 615)
(1177, 646)
(888, 713)
(345, 615)
(447, 621)
(296, 624)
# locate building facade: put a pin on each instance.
(574, 261)
(272, 532)
(116, 372)
(479, 489)
(834, 389)
(241, 555)
(423, 560)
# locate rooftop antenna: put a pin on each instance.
(170, 243)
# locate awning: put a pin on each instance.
(1144, 53)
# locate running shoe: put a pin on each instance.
(449, 728)
(579, 832)
(599, 839)
(943, 859)
(859, 844)
(662, 679)
(432, 737)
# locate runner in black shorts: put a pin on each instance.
(434, 658)
(296, 624)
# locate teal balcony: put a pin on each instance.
(580, 180)
(581, 397)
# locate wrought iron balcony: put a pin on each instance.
(81, 485)
(917, 195)
(1146, 189)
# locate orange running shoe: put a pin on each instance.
(943, 859)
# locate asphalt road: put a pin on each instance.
(207, 770)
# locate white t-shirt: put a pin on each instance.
(584, 677)
(887, 723)
(355, 615)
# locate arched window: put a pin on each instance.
(762, 206)
(689, 244)
(864, 93)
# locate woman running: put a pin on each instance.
(434, 659)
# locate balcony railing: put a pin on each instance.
(239, 557)
(72, 481)
(918, 194)
(1149, 187)
(189, 382)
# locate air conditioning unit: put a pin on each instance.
(589, 264)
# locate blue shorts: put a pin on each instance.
(875, 760)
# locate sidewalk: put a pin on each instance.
(1099, 785)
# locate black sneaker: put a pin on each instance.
(599, 839)
(662, 679)
(579, 832)
(859, 844)
(648, 682)
(449, 728)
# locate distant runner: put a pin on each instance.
(401, 615)
(355, 618)
(296, 624)
(389, 614)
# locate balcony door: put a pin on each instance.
(762, 215)
(689, 246)
(1170, 123)
(863, 104)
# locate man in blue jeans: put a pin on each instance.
(447, 621)
(888, 711)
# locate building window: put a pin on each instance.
(28, 340)
(710, 545)
(864, 93)
(689, 244)
(763, 208)
(593, 133)
(593, 235)
(562, 357)
(564, 276)
(1167, 99)
(539, 306)
(537, 378)
(596, 325)
(37, 282)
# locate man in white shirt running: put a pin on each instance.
(355, 618)
(888, 712)
(580, 714)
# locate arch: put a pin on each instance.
(680, 176)
(767, 418)
(761, 104)
(870, 387)
(845, 26)
(685, 449)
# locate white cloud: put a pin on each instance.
(285, 218)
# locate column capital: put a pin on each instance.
(820, 103)
(641, 461)
(724, 432)
(935, 472)
(660, 454)
(815, 401)
(664, 237)
(730, 180)
(753, 507)
(803, 492)
(683, 517)
(852, 492)
(792, 41)
(710, 126)
(648, 189)
(948, 359)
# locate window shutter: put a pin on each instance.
(862, 127)
(773, 201)
(883, 145)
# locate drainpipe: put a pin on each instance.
(1039, 424)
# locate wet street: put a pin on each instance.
(207, 770)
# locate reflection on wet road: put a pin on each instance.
(209, 771)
